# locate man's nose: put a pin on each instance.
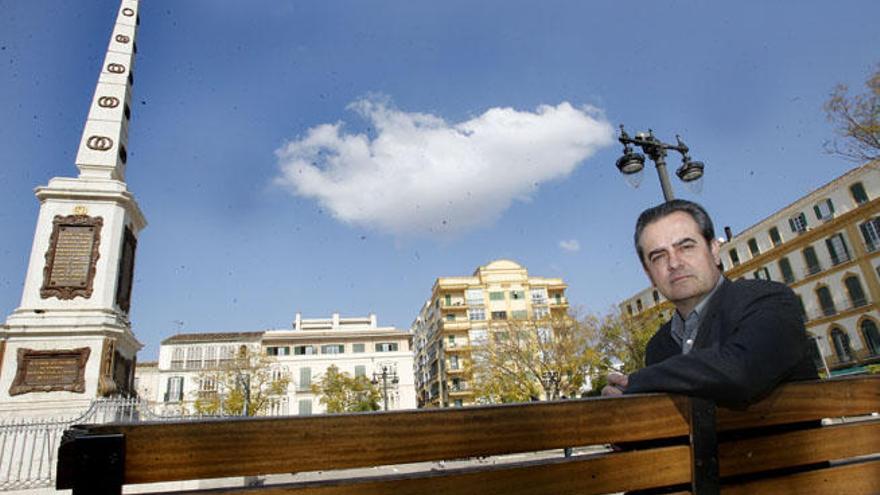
(675, 261)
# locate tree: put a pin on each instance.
(340, 392)
(623, 339)
(524, 360)
(246, 384)
(856, 120)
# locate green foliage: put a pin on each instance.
(623, 339)
(525, 360)
(340, 392)
(249, 377)
(856, 120)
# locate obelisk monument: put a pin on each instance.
(70, 340)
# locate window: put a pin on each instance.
(826, 301)
(499, 315)
(450, 317)
(305, 407)
(496, 296)
(802, 308)
(871, 233)
(858, 193)
(519, 314)
(812, 261)
(734, 256)
(304, 350)
(477, 336)
(357, 348)
(360, 370)
(386, 347)
(656, 296)
(824, 210)
(451, 341)
(194, 358)
(539, 296)
(305, 379)
(753, 247)
(207, 384)
(177, 358)
(762, 273)
(837, 249)
(174, 392)
(517, 294)
(210, 357)
(841, 345)
(541, 313)
(787, 272)
(798, 223)
(447, 299)
(277, 351)
(333, 349)
(639, 306)
(856, 293)
(474, 296)
(558, 298)
(453, 362)
(476, 314)
(629, 309)
(872, 337)
(775, 237)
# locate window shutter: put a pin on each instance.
(830, 205)
(792, 225)
(818, 212)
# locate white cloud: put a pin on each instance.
(419, 175)
(571, 245)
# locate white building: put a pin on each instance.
(357, 346)
(826, 247)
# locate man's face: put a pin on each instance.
(679, 262)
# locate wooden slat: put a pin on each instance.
(213, 449)
(799, 448)
(805, 401)
(582, 476)
(852, 479)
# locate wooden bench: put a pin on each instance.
(99, 459)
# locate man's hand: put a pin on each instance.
(617, 383)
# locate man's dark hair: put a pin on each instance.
(655, 213)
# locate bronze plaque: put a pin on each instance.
(71, 257)
(48, 371)
(126, 270)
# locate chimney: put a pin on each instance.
(728, 233)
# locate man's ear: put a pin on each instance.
(715, 247)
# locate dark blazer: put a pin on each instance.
(751, 338)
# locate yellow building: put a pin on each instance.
(826, 247)
(461, 311)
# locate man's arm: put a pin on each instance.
(767, 343)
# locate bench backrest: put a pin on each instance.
(98, 459)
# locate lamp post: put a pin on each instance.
(385, 376)
(632, 163)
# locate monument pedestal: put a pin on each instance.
(70, 340)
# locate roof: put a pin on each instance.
(212, 337)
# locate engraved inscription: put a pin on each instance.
(127, 12)
(115, 68)
(108, 102)
(72, 257)
(99, 143)
(47, 371)
(122, 38)
(126, 270)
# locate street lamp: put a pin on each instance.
(385, 376)
(631, 163)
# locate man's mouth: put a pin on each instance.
(679, 278)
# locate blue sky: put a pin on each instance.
(401, 116)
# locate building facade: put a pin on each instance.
(826, 247)
(461, 312)
(357, 346)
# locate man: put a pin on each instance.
(731, 342)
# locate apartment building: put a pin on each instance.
(826, 247)
(461, 312)
(357, 346)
